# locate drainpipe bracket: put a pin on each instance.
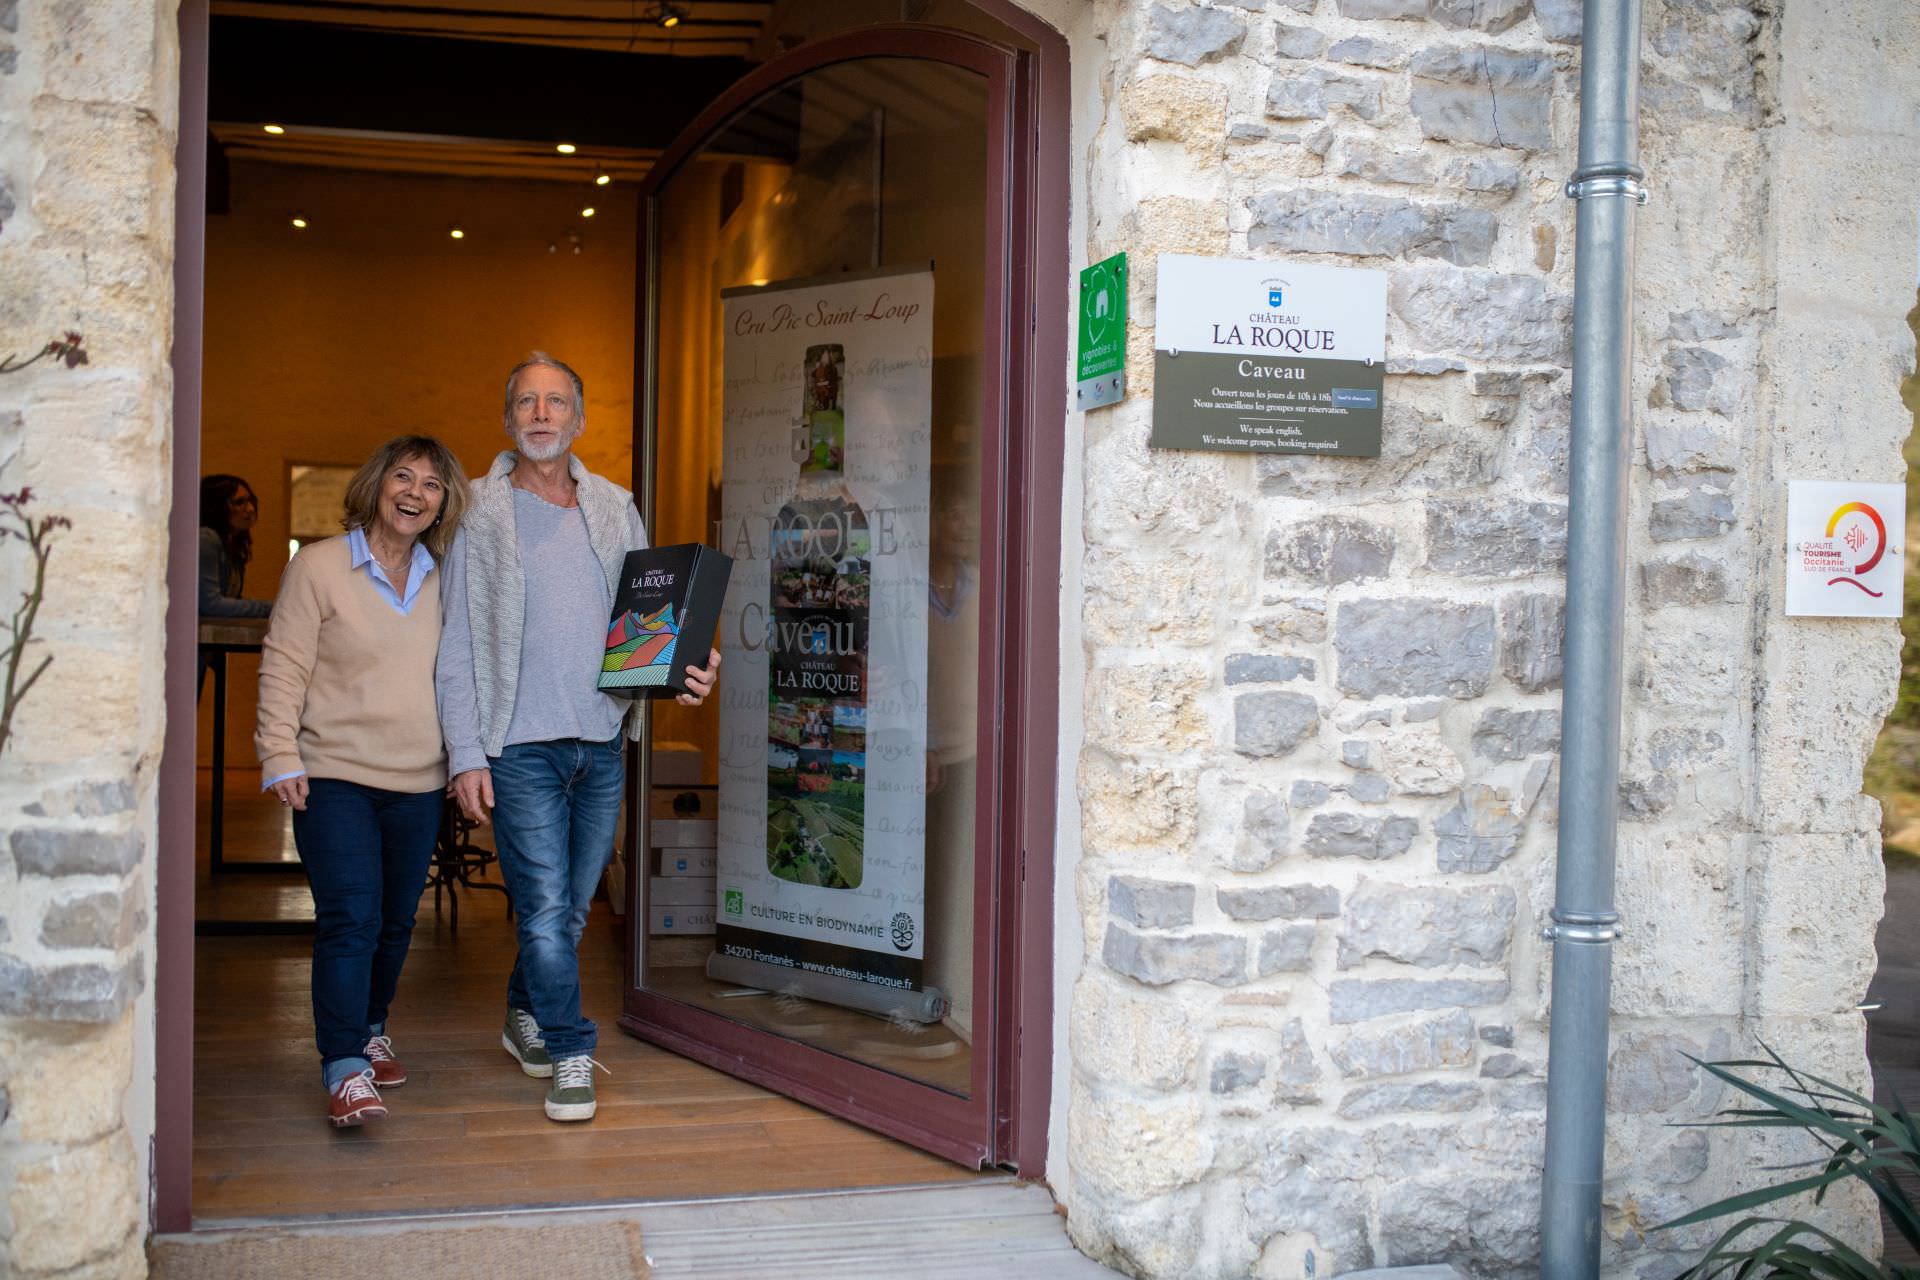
(1609, 180)
(1595, 928)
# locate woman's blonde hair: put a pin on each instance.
(363, 491)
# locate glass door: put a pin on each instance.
(817, 864)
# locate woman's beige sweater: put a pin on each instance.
(346, 680)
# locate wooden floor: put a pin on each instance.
(467, 1131)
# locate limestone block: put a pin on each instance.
(1309, 1179)
(107, 171)
(1813, 732)
(1684, 663)
(65, 992)
(1812, 953)
(1136, 1148)
(1696, 380)
(1147, 710)
(1478, 833)
(1685, 580)
(1193, 34)
(1377, 162)
(1489, 95)
(107, 920)
(105, 51)
(1172, 224)
(1280, 902)
(1418, 762)
(1158, 960)
(1330, 550)
(73, 1205)
(1425, 926)
(1484, 173)
(74, 851)
(1234, 1072)
(1305, 221)
(1297, 95)
(1176, 108)
(1264, 831)
(1353, 753)
(1559, 20)
(1286, 950)
(1495, 537)
(1369, 788)
(1299, 619)
(1156, 1236)
(1139, 597)
(1533, 631)
(1298, 42)
(1858, 70)
(1353, 835)
(1687, 445)
(90, 799)
(1134, 492)
(1484, 315)
(1297, 1068)
(1365, 51)
(1431, 1044)
(1267, 668)
(1649, 1074)
(1123, 1034)
(1505, 733)
(1491, 16)
(1273, 723)
(1124, 808)
(1704, 510)
(77, 1081)
(1487, 1224)
(1370, 1100)
(1382, 8)
(1150, 904)
(1414, 648)
(1307, 794)
(1357, 999)
(1504, 1066)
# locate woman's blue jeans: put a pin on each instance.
(555, 809)
(366, 853)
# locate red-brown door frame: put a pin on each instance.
(1004, 1120)
(1036, 397)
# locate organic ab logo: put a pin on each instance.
(1856, 538)
(736, 902)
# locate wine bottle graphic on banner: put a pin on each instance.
(817, 651)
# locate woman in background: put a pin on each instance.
(228, 512)
(349, 738)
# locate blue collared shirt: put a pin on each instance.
(360, 555)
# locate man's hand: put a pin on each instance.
(292, 791)
(700, 681)
(473, 792)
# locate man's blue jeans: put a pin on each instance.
(555, 807)
(366, 853)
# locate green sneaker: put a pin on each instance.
(522, 1040)
(570, 1097)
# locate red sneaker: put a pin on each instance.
(355, 1101)
(387, 1071)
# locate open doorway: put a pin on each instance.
(374, 261)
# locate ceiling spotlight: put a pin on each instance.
(565, 148)
(299, 222)
(587, 212)
(457, 231)
(602, 179)
(275, 129)
(667, 13)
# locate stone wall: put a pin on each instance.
(88, 103)
(1322, 707)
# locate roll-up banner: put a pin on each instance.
(828, 398)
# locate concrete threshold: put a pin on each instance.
(1005, 1229)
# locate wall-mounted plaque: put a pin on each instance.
(1844, 549)
(1268, 357)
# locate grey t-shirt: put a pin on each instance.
(562, 641)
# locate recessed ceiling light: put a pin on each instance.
(457, 232)
(587, 212)
(274, 128)
(565, 148)
(299, 222)
(602, 180)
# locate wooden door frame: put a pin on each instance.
(1007, 1127)
(1036, 381)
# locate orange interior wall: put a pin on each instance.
(320, 344)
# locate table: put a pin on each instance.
(218, 638)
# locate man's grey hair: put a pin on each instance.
(541, 357)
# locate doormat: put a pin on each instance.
(504, 1251)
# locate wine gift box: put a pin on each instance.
(664, 616)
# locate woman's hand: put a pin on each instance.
(700, 681)
(292, 791)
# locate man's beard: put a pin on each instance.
(562, 441)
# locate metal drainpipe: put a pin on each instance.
(1607, 187)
